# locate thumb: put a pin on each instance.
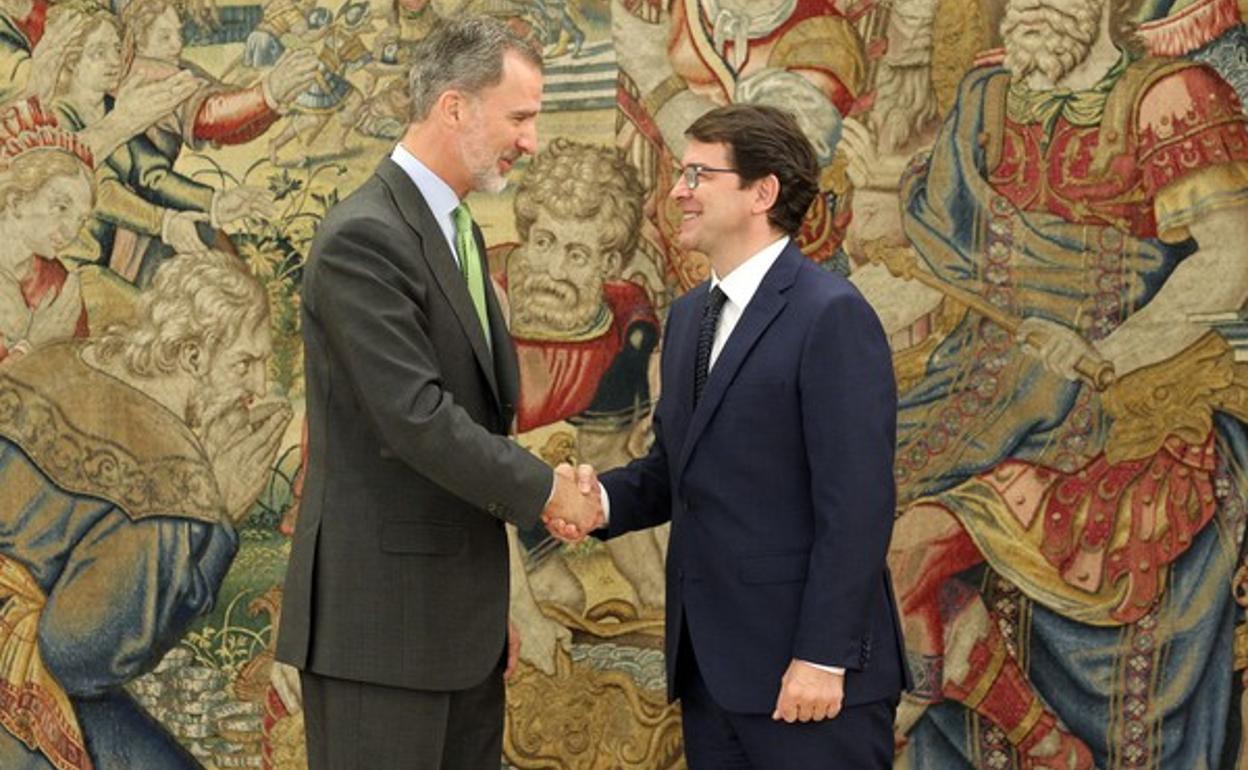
(585, 478)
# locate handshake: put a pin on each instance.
(575, 508)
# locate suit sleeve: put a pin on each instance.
(849, 416)
(640, 493)
(374, 323)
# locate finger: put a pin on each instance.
(233, 419)
(585, 478)
(268, 436)
(560, 528)
(275, 427)
(789, 713)
(785, 708)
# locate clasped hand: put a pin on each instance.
(575, 508)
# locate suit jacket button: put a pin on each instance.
(492, 507)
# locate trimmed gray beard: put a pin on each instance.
(1070, 28)
(473, 151)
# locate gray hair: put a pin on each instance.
(465, 55)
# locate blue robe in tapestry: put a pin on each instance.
(109, 503)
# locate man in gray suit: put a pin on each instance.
(396, 595)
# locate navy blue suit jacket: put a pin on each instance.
(779, 486)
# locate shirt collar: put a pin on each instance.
(741, 284)
(437, 193)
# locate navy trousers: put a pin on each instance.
(859, 738)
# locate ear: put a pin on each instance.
(766, 191)
(611, 264)
(451, 107)
(193, 358)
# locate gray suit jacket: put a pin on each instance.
(398, 570)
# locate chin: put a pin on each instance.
(493, 185)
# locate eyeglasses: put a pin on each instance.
(692, 173)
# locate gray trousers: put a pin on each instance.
(354, 725)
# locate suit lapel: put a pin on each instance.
(442, 264)
(763, 308)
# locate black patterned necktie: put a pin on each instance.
(706, 340)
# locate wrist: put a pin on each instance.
(214, 217)
(266, 90)
(166, 222)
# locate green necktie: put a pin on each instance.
(470, 264)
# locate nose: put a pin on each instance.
(527, 141)
(680, 190)
(257, 383)
(555, 268)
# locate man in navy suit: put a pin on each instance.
(773, 459)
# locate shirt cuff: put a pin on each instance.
(839, 670)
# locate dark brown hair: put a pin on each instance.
(764, 141)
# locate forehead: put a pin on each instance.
(103, 33)
(716, 154)
(168, 16)
(253, 339)
(586, 229)
(67, 185)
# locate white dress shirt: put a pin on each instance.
(739, 287)
(438, 194)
